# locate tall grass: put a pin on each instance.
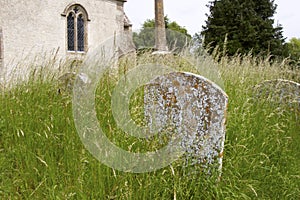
(42, 157)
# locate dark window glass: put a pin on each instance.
(71, 32)
(80, 33)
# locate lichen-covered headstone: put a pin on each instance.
(195, 108)
(279, 91)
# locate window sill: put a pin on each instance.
(76, 52)
(78, 55)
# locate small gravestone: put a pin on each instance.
(278, 91)
(195, 108)
(66, 81)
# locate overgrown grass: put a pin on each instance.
(42, 157)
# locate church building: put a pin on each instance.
(66, 28)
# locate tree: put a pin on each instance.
(246, 26)
(176, 35)
(294, 50)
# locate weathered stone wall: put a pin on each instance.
(1, 48)
(35, 27)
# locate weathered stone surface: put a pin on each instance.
(43, 29)
(196, 110)
(279, 91)
(1, 47)
(160, 32)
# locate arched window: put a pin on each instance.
(77, 19)
(71, 31)
(80, 33)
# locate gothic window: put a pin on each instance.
(71, 32)
(77, 19)
(80, 33)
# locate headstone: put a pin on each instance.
(195, 108)
(65, 82)
(279, 91)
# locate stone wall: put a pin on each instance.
(1, 48)
(34, 28)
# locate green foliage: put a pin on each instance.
(243, 26)
(177, 36)
(294, 50)
(172, 25)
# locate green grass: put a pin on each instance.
(42, 157)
